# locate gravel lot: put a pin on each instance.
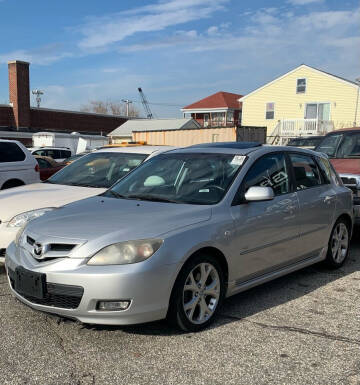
(299, 329)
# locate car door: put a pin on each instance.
(266, 233)
(317, 200)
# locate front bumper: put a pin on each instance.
(357, 211)
(146, 286)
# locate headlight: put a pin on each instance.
(23, 218)
(19, 237)
(126, 252)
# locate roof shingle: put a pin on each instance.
(217, 100)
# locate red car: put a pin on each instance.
(343, 149)
(48, 166)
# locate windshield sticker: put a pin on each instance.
(238, 160)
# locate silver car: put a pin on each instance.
(182, 232)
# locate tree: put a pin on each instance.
(109, 108)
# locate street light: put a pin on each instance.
(38, 94)
(357, 80)
(127, 102)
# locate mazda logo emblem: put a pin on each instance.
(38, 249)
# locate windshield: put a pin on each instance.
(100, 169)
(180, 178)
(329, 145)
(308, 142)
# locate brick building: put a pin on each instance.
(19, 117)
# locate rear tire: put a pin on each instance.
(338, 248)
(198, 294)
(12, 183)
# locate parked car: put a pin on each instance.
(343, 149)
(309, 142)
(17, 165)
(57, 153)
(48, 166)
(89, 176)
(182, 232)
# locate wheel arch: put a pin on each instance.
(12, 183)
(348, 219)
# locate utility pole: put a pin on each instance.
(127, 102)
(357, 100)
(38, 94)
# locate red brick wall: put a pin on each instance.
(44, 119)
(6, 116)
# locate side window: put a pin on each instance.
(328, 170)
(11, 152)
(270, 111)
(300, 86)
(307, 173)
(269, 171)
(42, 163)
(65, 154)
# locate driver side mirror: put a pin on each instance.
(258, 193)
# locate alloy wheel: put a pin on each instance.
(201, 293)
(340, 242)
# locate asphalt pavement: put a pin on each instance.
(298, 329)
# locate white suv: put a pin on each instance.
(17, 165)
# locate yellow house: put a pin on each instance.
(304, 101)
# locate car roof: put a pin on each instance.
(237, 145)
(262, 149)
(344, 130)
(137, 149)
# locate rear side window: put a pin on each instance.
(269, 171)
(11, 152)
(43, 163)
(307, 173)
(328, 171)
(65, 154)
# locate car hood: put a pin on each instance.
(115, 220)
(18, 200)
(346, 166)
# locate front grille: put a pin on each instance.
(57, 295)
(2, 253)
(65, 247)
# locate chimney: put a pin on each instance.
(19, 92)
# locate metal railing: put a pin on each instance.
(291, 128)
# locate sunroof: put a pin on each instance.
(238, 145)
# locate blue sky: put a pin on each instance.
(178, 51)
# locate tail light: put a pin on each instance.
(37, 168)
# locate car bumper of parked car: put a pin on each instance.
(74, 289)
(357, 211)
(7, 235)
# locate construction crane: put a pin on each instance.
(145, 104)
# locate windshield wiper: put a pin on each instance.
(153, 198)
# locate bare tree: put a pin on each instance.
(110, 108)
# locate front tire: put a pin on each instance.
(338, 248)
(197, 295)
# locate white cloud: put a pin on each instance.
(44, 55)
(304, 2)
(104, 31)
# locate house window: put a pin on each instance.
(218, 118)
(270, 108)
(230, 116)
(300, 86)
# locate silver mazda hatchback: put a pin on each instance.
(182, 232)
